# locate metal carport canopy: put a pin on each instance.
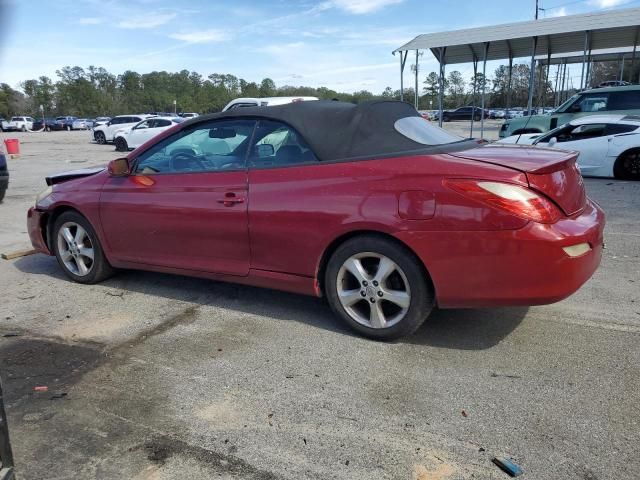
(608, 55)
(612, 29)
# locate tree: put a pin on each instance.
(267, 88)
(456, 89)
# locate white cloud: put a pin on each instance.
(359, 7)
(203, 36)
(607, 3)
(90, 21)
(147, 21)
(560, 12)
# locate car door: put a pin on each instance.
(588, 139)
(184, 207)
(140, 133)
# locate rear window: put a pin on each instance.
(420, 130)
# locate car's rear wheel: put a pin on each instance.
(23, 129)
(121, 145)
(378, 287)
(100, 138)
(78, 249)
(445, 118)
(627, 166)
(476, 118)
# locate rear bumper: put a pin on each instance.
(519, 267)
(35, 228)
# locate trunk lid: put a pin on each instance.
(552, 172)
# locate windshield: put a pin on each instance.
(563, 107)
(420, 130)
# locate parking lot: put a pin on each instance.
(153, 376)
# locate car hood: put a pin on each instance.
(70, 175)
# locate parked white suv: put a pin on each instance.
(264, 102)
(105, 133)
(132, 137)
(19, 123)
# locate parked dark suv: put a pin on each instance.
(464, 113)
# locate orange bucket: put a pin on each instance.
(13, 146)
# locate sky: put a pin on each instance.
(344, 45)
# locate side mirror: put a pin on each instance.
(552, 141)
(119, 167)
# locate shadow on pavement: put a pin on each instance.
(468, 329)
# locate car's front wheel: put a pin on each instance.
(121, 145)
(378, 287)
(100, 138)
(78, 249)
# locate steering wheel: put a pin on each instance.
(184, 160)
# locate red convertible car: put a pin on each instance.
(367, 205)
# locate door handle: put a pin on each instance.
(230, 199)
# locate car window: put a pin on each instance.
(206, 147)
(629, 100)
(134, 119)
(420, 130)
(277, 145)
(161, 122)
(143, 125)
(595, 102)
(238, 105)
(572, 133)
(617, 128)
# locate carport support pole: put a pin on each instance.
(584, 58)
(509, 82)
(417, 94)
(622, 67)
(473, 102)
(532, 73)
(557, 82)
(403, 58)
(484, 83)
(443, 51)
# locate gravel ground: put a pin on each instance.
(156, 376)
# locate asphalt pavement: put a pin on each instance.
(153, 376)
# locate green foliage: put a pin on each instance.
(95, 92)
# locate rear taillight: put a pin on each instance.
(514, 199)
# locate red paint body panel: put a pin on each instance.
(476, 255)
(34, 227)
(177, 221)
(520, 267)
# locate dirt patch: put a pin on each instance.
(161, 448)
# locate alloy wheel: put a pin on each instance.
(631, 165)
(373, 290)
(76, 249)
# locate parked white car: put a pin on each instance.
(189, 115)
(19, 124)
(132, 137)
(100, 121)
(105, 133)
(609, 145)
(82, 124)
(264, 102)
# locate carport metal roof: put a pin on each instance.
(607, 55)
(612, 29)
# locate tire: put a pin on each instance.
(100, 138)
(48, 129)
(446, 118)
(68, 128)
(74, 250)
(121, 145)
(2, 193)
(23, 129)
(476, 118)
(353, 297)
(627, 166)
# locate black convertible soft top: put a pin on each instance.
(340, 130)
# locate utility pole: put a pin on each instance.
(537, 9)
